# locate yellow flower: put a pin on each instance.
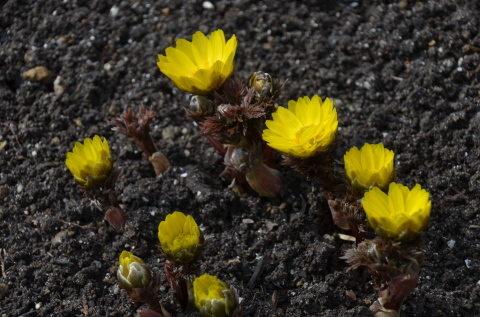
(372, 165)
(402, 214)
(133, 272)
(213, 298)
(305, 129)
(90, 163)
(180, 237)
(200, 66)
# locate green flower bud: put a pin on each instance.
(133, 272)
(213, 297)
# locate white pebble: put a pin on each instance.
(19, 188)
(114, 11)
(467, 263)
(208, 5)
(451, 244)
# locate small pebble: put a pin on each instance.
(208, 5)
(56, 140)
(467, 263)
(19, 188)
(38, 74)
(59, 86)
(114, 11)
(451, 244)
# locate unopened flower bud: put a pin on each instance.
(223, 115)
(200, 105)
(262, 83)
(264, 180)
(213, 297)
(159, 162)
(133, 272)
(240, 159)
(372, 165)
(90, 163)
(180, 237)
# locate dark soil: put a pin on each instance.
(403, 73)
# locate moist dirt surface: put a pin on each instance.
(404, 73)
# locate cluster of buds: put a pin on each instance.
(230, 112)
(91, 165)
(182, 243)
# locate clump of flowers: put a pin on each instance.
(136, 278)
(202, 65)
(213, 297)
(230, 112)
(371, 166)
(182, 242)
(401, 214)
(91, 165)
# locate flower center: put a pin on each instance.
(311, 141)
(205, 65)
(185, 241)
